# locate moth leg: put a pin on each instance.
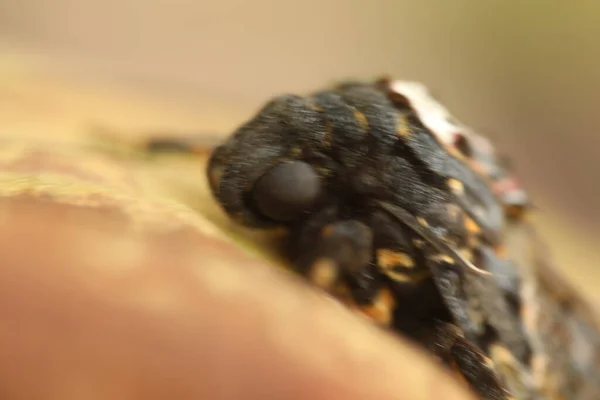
(517, 377)
(471, 365)
(408, 264)
(337, 257)
(458, 293)
(500, 302)
(481, 305)
(160, 142)
(348, 245)
(345, 246)
(402, 263)
(200, 144)
(395, 252)
(192, 142)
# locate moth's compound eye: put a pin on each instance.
(286, 190)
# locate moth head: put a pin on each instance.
(264, 174)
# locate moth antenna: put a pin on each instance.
(406, 218)
(470, 265)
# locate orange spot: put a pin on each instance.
(327, 231)
(502, 355)
(316, 108)
(382, 308)
(456, 154)
(403, 129)
(454, 211)
(473, 241)
(443, 257)
(419, 244)
(467, 254)
(361, 119)
(501, 251)
(472, 226)
(295, 152)
(323, 273)
(387, 259)
(408, 277)
(456, 186)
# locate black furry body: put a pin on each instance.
(402, 227)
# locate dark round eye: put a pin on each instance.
(463, 145)
(286, 190)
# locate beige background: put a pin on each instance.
(524, 73)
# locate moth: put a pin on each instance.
(408, 217)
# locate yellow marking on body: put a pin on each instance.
(422, 221)
(454, 211)
(328, 136)
(327, 231)
(323, 273)
(403, 130)
(456, 186)
(473, 242)
(501, 251)
(479, 168)
(387, 258)
(443, 257)
(539, 366)
(506, 363)
(419, 244)
(323, 172)
(457, 154)
(472, 226)
(382, 308)
(488, 362)
(466, 253)
(295, 152)
(360, 117)
(499, 352)
(316, 107)
(406, 277)
(476, 316)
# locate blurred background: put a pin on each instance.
(526, 74)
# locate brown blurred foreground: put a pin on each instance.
(101, 298)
